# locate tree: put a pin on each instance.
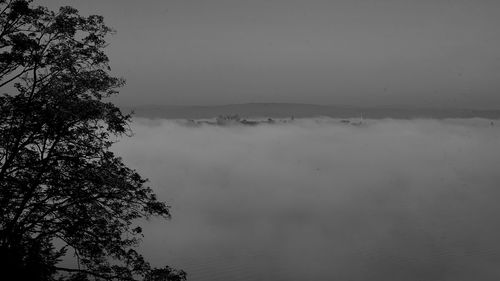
(63, 191)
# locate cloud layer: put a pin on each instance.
(320, 200)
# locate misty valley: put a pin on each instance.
(233, 140)
(319, 199)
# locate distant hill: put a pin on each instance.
(284, 110)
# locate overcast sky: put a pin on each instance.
(378, 52)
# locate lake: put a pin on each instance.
(317, 199)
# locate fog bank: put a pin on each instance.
(319, 200)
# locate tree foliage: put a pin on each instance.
(63, 192)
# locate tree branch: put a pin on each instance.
(106, 277)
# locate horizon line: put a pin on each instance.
(402, 106)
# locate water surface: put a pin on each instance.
(320, 200)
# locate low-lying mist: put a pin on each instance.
(319, 200)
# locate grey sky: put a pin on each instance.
(386, 52)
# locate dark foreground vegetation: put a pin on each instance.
(64, 196)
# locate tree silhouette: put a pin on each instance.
(63, 192)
